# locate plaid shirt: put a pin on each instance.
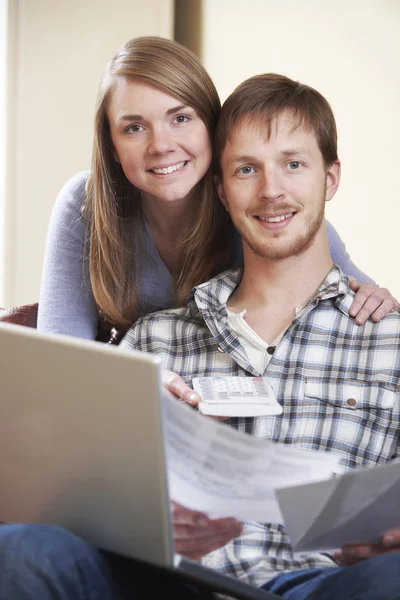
(338, 383)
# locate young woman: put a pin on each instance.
(145, 226)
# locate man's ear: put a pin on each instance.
(332, 180)
(220, 190)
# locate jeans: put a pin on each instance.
(47, 563)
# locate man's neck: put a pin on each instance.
(271, 290)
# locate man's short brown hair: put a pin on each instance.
(265, 97)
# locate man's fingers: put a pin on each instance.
(195, 534)
(196, 541)
(355, 552)
(175, 384)
(351, 554)
(185, 516)
(196, 549)
(214, 528)
(391, 539)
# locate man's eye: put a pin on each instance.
(246, 170)
(294, 165)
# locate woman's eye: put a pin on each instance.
(135, 128)
(294, 165)
(246, 170)
(181, 119)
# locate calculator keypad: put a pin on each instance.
(234, 389)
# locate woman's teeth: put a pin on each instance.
(170, 169)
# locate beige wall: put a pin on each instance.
(350, 51)
(57, 51)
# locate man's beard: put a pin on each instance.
(293, 247)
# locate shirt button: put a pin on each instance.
(271, 349)
(351, 401)
(220, 349)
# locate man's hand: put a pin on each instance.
(176, 386)
(195, 534)
(354, 553)
(370, 301)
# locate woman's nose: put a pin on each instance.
(161, 141)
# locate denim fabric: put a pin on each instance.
(374, 579)
(42, 562)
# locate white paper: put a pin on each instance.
(358, 507)
(222, 472)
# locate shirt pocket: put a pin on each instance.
(358, 419)
(352, 394)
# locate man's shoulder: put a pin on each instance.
(328, 313)
(389, 323)
(168, 325)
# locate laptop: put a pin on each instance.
(81, 446)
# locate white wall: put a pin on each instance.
(350, 51)
(58, 49)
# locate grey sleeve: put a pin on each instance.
(341, 257)
(66, 304)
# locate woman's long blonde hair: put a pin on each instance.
(113, 210)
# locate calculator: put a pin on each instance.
(236, 396)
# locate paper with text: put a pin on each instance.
(222, 472)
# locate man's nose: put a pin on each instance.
(161, 141)
(271, 185)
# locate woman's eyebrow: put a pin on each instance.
(131, 118)
(178, 108)
(170, 111)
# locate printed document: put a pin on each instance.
(222, 472)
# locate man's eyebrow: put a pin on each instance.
(296, 150)
(170, 111)
(240, 158)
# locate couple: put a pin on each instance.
(285, 314)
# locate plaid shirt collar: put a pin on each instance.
(210, 299)
(212, 296)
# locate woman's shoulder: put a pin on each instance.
(74, 191)
(66, 218)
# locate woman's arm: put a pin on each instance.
(341, 257)
(370, 300)
(66, 303)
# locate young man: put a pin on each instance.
(284, 316)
